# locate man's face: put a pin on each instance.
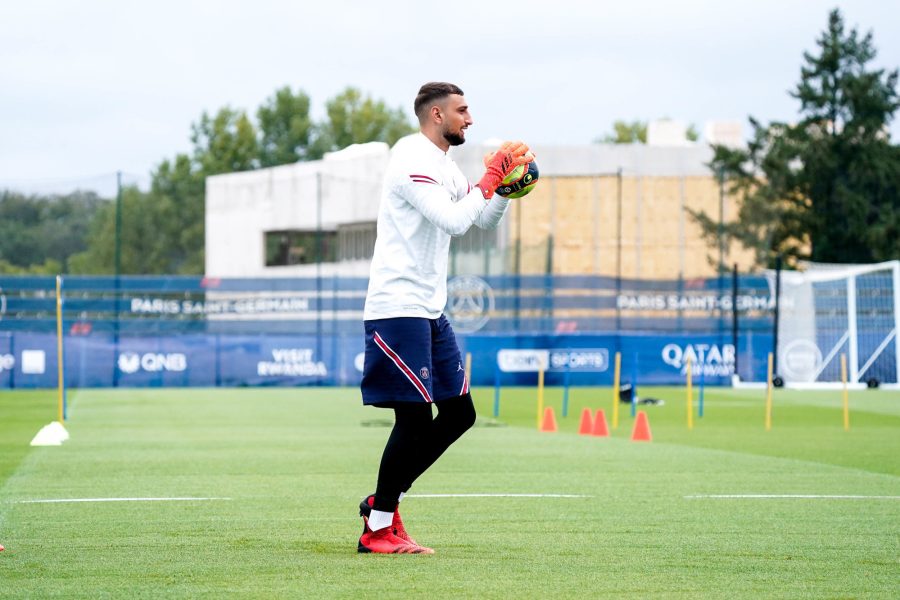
(456, 118)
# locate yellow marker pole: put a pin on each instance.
(616, 374)
(540, 398)
(469, 368)
(690, 396)
(846, 393)
(769, 394)
(59, 350)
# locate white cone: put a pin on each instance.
(53, 434)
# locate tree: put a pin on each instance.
(624, 132)
(179, 190)
(163, 229)
(354, 119)
(39, 233)
(635, 132)
(140, 238)
(225, 143)
(285, 128)
(692, 134)
(828, 187)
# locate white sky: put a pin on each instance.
(94, 87)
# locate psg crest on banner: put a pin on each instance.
(470, 302)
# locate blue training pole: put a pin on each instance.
(634, 388)
(565, 407)
(496, 390)
(702, 387)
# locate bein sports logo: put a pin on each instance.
(706, 359)
(152, 362)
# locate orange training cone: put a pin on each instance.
(549, 423)
(641, 431)
(600, 429)
(587, 423)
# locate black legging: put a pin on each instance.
(416, 442)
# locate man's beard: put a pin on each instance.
(454, 139)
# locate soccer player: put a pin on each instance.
(412, 360)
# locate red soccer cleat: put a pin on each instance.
(365, 508)
(384, 541)
(400, 531)
(396, 529)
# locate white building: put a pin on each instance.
(278, 222)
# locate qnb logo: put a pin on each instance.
(132, 362)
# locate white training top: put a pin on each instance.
(425, 200)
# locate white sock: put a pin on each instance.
(401, 497)
(378, 519)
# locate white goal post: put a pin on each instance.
(828, 311)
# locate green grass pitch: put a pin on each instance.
(285, 469)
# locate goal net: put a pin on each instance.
(829, 311)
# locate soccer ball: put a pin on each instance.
(520, 182)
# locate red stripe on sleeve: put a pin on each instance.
(423, 179)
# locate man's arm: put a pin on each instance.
(435, 203)
(422, 190)
(490, 217)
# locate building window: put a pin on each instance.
(356, 241)
(291, 247)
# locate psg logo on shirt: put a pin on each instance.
(423, 372)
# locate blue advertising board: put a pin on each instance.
(28, 360)
(158, 331)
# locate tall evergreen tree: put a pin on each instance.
(828, 187)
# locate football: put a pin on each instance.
(520, 182)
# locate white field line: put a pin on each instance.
(789, 497)
(70, 500)
(497, 496)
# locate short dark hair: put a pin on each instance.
(434, 90)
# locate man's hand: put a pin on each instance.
(501, 163)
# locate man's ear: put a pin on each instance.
(436, 114)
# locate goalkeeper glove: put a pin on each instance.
(500, 164)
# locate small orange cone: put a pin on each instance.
(600, 428)
(549, 423)
(641, 431)
(587, 423)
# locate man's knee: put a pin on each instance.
(459, 411)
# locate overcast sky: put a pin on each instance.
(93, 87)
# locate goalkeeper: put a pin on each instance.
(412, 360)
